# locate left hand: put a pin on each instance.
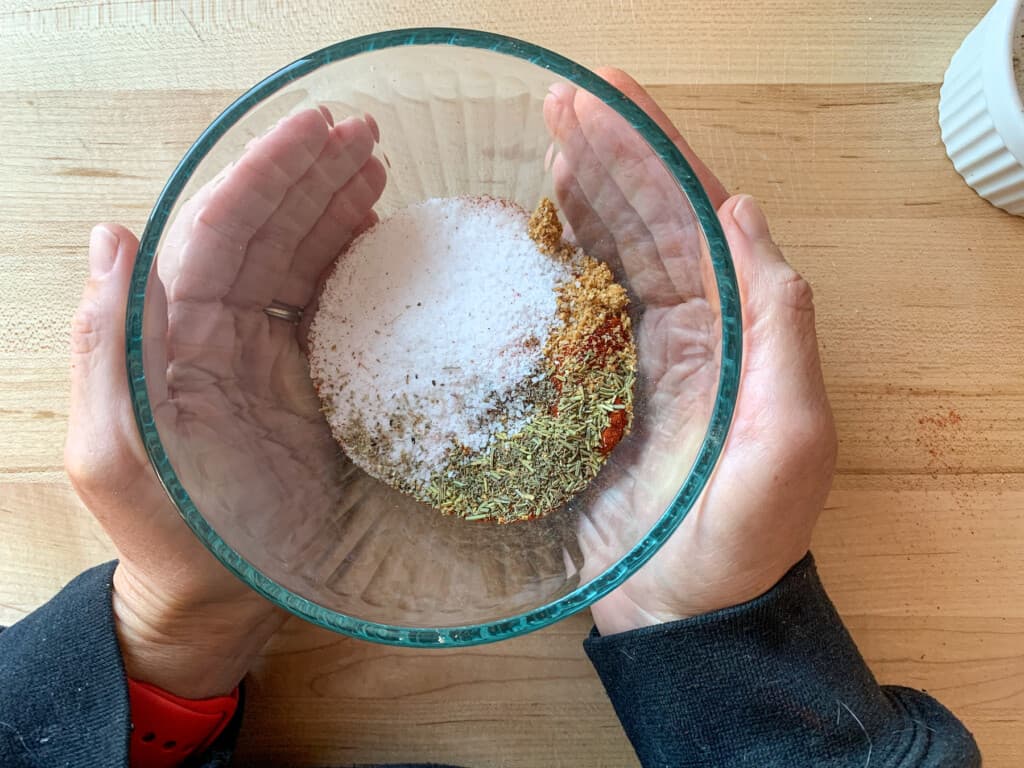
(264, 229)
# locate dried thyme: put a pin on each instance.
(591, 362)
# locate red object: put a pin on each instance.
(612, 434)
(166, 729)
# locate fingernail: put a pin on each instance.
(374, 128)
(327, 115)
(103, 248)
(751, 219)
(562, 91)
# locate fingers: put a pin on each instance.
(715, 189)
(265, 228)
(270, 252)
(345, 214)
(659, 232)
(778, 311)
(584, 221)
(593, 202)
(608, 179)
(311, 305)
(102, 442)
(588, 228)
(210, 245)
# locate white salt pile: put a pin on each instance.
(428, 327)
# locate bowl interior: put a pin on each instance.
(235, 433)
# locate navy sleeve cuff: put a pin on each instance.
(774, 682)
(63, 694)
(63, 688)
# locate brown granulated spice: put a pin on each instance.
(545, 229)
(585, 306)
(584, 400)
(594, 346)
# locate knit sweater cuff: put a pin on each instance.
(776, 681)
(63, 688)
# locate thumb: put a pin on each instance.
(780, 339)
(101, 431)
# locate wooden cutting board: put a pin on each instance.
(826, 111)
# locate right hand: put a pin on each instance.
(756, 514)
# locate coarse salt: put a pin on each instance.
(428, 325)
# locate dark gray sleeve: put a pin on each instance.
(63, 689)
(774, 683)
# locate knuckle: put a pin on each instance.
(811, 437)
(82, 468)
(796, 291)
(98, 465)
(86, 328)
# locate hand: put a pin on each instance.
(755, 517)
(223, 376)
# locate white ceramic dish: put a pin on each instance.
(981, 113)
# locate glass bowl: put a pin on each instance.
(223, 397)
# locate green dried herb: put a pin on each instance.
(581, 407)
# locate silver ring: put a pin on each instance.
(287, 312)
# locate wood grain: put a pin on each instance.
(140, 44)
(826, 111)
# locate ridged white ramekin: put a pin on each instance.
(980, 110)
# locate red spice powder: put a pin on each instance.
(609, 338)
(612, 434)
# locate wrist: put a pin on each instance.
(625, 615)
(190, 646)
(628, 608)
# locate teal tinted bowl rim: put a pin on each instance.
(684, 499)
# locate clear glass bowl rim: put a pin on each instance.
(707, 455)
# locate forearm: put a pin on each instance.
(774, 682)
(63, 687)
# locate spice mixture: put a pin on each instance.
(468, 356)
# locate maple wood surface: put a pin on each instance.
(825, 111)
